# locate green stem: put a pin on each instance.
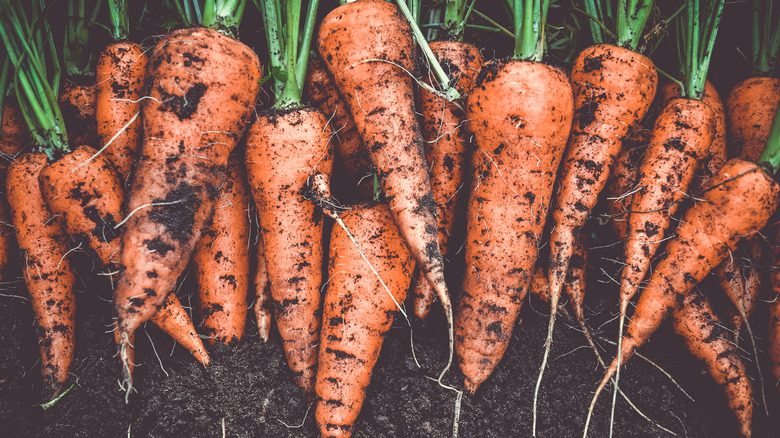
(449, 92)
(120, 26)
(454, 19)
(698, 42)
(771, 154)
(766, 36)
(308, 33)
(595, 24)
(77, 57)
(270, 11)
(530, 20)
(223, 15)
(291, 94)
(631, 20)
(501, 28)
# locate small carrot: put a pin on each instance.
(622, 181)
(13, 139)
(360, 301)
(221, 261)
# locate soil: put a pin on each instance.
(248, 390)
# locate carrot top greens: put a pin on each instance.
(766, 36)
(628, 21)
(77, 57)
(696, 32)
(529, 18)
(117, 12)
(223, 15)
(28, 41)
(771, 155)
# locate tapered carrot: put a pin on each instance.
(263, 298)
(708, 341)
(43, 245)
(13, 139)
(360, 302)
(622, 181)
(192, 121)
(737, 203)
(368, 48)
(447, 150)
(740, 278)
(351, 157)
(520, 112)
(221, 261)
(119, 78)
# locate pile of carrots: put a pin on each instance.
(356, 164)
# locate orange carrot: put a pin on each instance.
(43, 245)
(709, 342)
(740, 278)
(737, 203)
(368, 48)
(77, 103)
(263, 298)
(447, 150)
(520, 113)
(119, 78)
(192, 121)
(613, 89)
(284, 150)
(351, 157)
(358, 311)
(13, 139)
(622, 181)
(750, 108)
(221, 260)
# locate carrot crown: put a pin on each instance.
(770, 157)
(120, 27)
(223, 15)
(628, 21)
(766, 36)
(29, 43)
(530, 18)
(288, 47)
(696, 32)
(76, 56)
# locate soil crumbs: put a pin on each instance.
(248, 389)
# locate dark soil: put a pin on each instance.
(248, 389)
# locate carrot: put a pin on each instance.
(358, 311)
(622, 181)
(351, 157)
(47, 273)
(520, 112)
(263, 298)
(709, 342)
(77, 103)
(718, 153)
(13, 139)
(740, 278)
(191, 122)
(447, 150)
(119, 78)
(750, 108)
(368, 48)
(221, 261)
(576, 278)
(737, 203)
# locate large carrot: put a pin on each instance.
(520, 112)
(360, 302)
(737, 203)
(221, 261)
(351, 157)
(708, 341)
(204, 84)
(119, 79)
(367, 46)
(447, 150)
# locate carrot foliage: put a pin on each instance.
(117, 12)
(529, 18)
(29, 43)
(77, 58)
(771, 155)
(766, 36)
(696, 32)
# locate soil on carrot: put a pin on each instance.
(248, 391)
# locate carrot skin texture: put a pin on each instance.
(77, 103)
(119, 77)
(351, 156)
(520, 114)
(613, 89)
(737, 203)
(741, 281)
(576, 278)
(284, 149)
(221, 260)
(622, 180)
(357, 312)
(447, 150)
(203, 87)
(709, 342)
(263, 298)
(681, 138)
(13, 139)
(718, 153)
(351, 40)
(750, 109)
(43, 244)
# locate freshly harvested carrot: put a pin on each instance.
(284, 149)
(119, 78)
(192, 121)
(737, 203)
(43, 245)
(718, 153)
(263, 298)
(740, 278)
(221, 260)
(351, 157)
(750, 108)
(576, 278)
(613, 89)
(520, 112)
(358, 310)
(13, 139)
(447, 150)
(77, 103)
(709, 342)
(622, 181)
(368, 48)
